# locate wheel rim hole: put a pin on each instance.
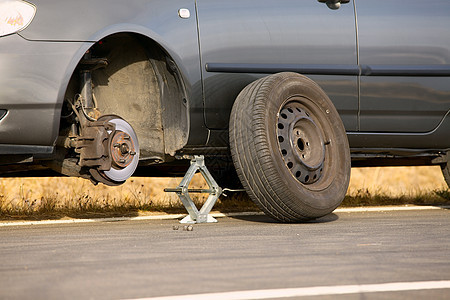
(280, 139)
(284, 152)
(315, 177)
(290, 165)
(307, 113)
(306, 178)
(284, 116)
(280, 126)
(298, 109)
(290, 110)
(298, 174)
(301, 145)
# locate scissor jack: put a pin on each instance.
(182, 190)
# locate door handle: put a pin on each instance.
(334, 4)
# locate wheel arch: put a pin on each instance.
(172, 99)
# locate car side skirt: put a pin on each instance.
(25, 149)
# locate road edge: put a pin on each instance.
(214, 214)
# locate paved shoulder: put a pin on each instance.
(148, 258)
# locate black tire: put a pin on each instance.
(446, 172)
(296, 173)
(223, 171)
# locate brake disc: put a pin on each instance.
(121, 152)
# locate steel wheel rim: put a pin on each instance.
(301, 142)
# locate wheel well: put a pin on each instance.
(142, 84)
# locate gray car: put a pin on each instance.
(288, 94)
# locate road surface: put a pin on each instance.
(359, 255)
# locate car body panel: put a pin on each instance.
(389, 77)
(93, 20)
(34, 73)
(412, 40)
(59, 21)
(277, 34)
(386, 142)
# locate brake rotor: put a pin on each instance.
(123, 152)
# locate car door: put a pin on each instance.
(404, 52)
(241, 40)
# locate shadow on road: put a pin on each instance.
(265, 219)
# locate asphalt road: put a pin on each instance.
(141, 259)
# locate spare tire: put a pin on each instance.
(289, 147)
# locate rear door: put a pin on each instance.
(405, 61)
(242, 40)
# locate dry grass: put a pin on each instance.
(31, 198)
(73, 197)
(397, 185)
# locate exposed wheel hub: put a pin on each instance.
(301, 143)
(122, 149)
(109, 148)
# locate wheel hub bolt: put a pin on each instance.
(124, 149)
